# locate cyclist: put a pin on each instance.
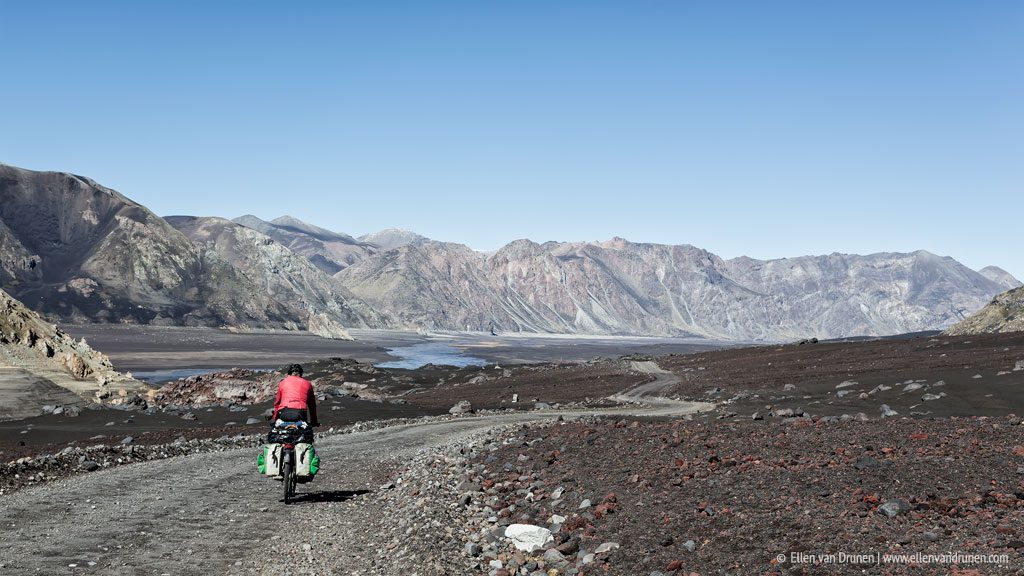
(295, 399)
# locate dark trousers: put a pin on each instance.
(292, 415)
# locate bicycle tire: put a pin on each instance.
(288, 471)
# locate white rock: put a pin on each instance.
(527, 537)
(556, 519)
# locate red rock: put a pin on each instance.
(674, 565)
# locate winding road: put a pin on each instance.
(212, 514)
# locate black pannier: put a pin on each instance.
(290, 433)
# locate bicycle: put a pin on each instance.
(288, 435)
(288, 472)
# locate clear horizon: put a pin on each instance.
(766, 130)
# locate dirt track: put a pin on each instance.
(213, 514)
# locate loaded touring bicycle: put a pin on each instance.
(289, 456)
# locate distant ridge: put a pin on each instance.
(79, 252)
(329, 251)
(618, 287)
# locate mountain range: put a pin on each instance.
(79, 252)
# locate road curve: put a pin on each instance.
(211, 513)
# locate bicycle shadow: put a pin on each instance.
(328, 496)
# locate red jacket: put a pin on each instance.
(296, 392)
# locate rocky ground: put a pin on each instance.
(917, 376)
(524, 386)
(39, 362)
(625, 490)
(716, 497)
(373, 509)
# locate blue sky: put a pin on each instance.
(765, 129)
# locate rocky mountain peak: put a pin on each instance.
(616, 243)
(329, 251)
(391, 238)
(1000, 276)
(292, 224)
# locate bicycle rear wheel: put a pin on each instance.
(288, 471)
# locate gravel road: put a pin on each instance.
(663, 380)
(213, 514)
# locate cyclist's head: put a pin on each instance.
(294, 370)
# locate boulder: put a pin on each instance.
(75, 365)
(866, 463)
(894, 507)
(527, 537)
(462, 407)
(606, 547)
(555, 558)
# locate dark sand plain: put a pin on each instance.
(166, 353)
